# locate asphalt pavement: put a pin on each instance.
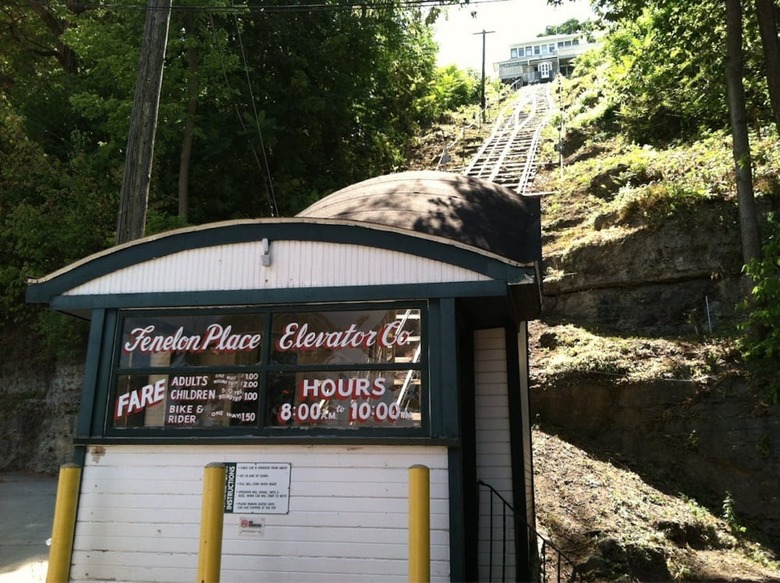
(26, 513)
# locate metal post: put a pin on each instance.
(64, 524)
(483, 105)
(419, 524)
(211, 520)
(560, 124)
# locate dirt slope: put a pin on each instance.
(616, 527)
(625, 307)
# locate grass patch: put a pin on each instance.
(565, 352)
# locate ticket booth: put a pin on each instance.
(318, 357)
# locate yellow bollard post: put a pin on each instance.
(211, 520)
(64, 524)
(419, 524)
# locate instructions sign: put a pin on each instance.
(257, 488)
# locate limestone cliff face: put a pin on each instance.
(677, 277)
(38, 409)
(705, 435)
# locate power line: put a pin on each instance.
(284, 8)
(262, 167)
(271, 194)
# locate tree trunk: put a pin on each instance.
(134, 197)
(193, 87)
(767, 25)
(748, 218)
(63, 53)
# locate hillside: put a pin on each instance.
(654, 456)
(618, 527)
(643, 473)
(668, 451)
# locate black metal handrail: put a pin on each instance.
(563, 568)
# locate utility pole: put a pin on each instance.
(560, 110)
(134, 196)
(482, 99)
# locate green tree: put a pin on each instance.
(683, 48)
(743, 164)
(767, 14)
(665, 90)
(761, 343)
(571, 26)
(263, 110)
(454, 88)
(51, 212)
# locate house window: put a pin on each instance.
(513, 53)
(537, 49)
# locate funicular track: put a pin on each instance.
(508, 156)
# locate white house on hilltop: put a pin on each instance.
(542, 58)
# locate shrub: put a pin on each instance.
(761, 340)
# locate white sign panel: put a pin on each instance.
(257, 488)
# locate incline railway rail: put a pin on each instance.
(508, 156)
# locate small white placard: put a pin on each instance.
(251, 526)
(257, 488)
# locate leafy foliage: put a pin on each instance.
(454, 88)
(663, 68)
(571, 26)
(761, 343)
(665, 78)
(289, 105)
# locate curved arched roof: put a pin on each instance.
(468, 210)
(481, 234)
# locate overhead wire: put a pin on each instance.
(270, 192)
(283, 8)
(263, 167)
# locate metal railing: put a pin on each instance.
(550, 563)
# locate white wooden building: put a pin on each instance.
(318, 357)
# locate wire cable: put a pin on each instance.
(270, 192)
(260, 166)
(288, 8)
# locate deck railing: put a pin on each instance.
(550, 564)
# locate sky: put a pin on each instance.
(460, 41)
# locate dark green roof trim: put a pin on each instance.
(321, 230)
(89, 386)
(277, 296)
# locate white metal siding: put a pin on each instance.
(494, 457)
(294, 264)
(139, 515)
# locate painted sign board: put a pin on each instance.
(269, 369)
